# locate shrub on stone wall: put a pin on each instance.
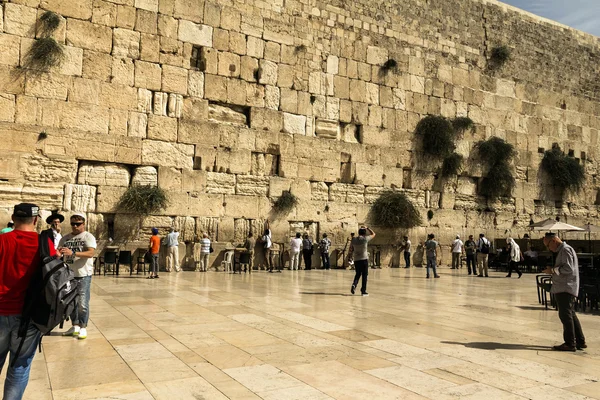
(388, 66)
(44, 54)
(564, 171)
(496, 154)
(438, 136)
(145, 200)
(461, 124)
(499, 56)
(394, 210)
(285, 203)
(452, 165)
(49, 23)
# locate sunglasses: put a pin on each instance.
(76, 223)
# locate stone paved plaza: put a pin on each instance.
(301, 335)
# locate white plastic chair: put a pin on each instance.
(227, 262)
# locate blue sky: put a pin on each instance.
(580, 14)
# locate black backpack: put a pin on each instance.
(485, 247)
(52, 293)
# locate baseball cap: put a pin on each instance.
(77, 214)
(25, 210)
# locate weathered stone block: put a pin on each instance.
(19, 20)
(126, 43)
(174, 79)
(197, 34)
(147, 75)
(90, 36)
(376, 55)
(145, 176)
(103, 174)
(162, 128)
(137, 125)
(79, 198)
(160, 103)
(268, 120)
(267, 73)
(370, 175)
(295, 124)
(219, 183)
(251, 185)
(196, 84)
(9, 49)
(167, 154)
(108, 198)
(76, 9)
(215, 87)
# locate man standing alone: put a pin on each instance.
(295, 246)
(457, 251)
(470, 249)
(360, 255)
(565, 287)
(431, 247)
(483, 249)
(204, 252)
(172, 243)
(406, 247)
(154, 253)
(78, 249)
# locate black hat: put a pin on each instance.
(54, 216)
(26, 210)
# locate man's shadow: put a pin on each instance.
(328, 294)
(501, 346)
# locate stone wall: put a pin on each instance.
(226, 104)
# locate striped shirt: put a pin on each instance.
(205, 243)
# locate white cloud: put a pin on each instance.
(580, 14)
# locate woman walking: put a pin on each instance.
(514, 258)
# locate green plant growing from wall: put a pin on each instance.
(452, 165)
(438, 136)
(497, 154)
(394, 210)
(499, 56)
(461, 124)
(285, 203)
(44, 54)
(49, 23)
(388, 66)
(143, 199)
(564, 171)
(429, 215)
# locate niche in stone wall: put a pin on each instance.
(264, 164)
(310, 227)
(347, 169)
(406, 178)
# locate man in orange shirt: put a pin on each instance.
(154, 252)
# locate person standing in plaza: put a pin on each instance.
(55, 220)
(9, 228)
(406, 245)
(204, 252)
(324, 245)
(470, 249)
(78, 249)
(360, 255)
(565, 287)
(172, 243)
(154, 248)
(431, 247)
(19, 260)
(249, 245)
(457, 252)
(307, 252)
(267, 246)
(514, 257)
(483, 250)
(295, 246)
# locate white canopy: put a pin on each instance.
(553, 225)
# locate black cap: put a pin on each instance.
(26, 210)
(549, 235)
(54, 216)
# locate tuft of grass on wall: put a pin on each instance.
(429, 215)
(45, 53)
(564, 171)
(285, 203)
(394, 210)
(495, 150)
(438, 136)
(497, 154)
(499, 56)
(49, 23)
(144, 200)
(452, 165)
(462, 124)
(388, 66)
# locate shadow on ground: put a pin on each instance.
(501, 346)
(329, 294)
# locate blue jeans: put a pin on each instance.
(431, 263)
(81, 313)
(407, 258)
(17, 376)
(325, 259)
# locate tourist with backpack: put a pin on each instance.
(19, 260)
(483, 250)
(77, 249)
(431, 247)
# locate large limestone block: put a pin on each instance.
(137, 124)
(208, 225)
(220, 183)
(145, 176)
(370, 175)
(197, 34)
(294, 124)
(272, 98)
(241, 206)
(108, 198)
(160, 103)
(215, 87)
(167, 154)
(174, 79)
(251, 185)
(162, 128)
(327, 129)
(267, 73)
(9, 49)
(37, 168)
(103, 174)
(264, 119)
(319, 191)
(7, 107)
(226, 115)
(47, 196)
(148, 75)
(175, 107)
(196, 84)
(148, 5)
(170, 178)
(89, 36)
(19, 20)
(81, 9)
(194, 181)
(206, 205)
(186, 226)
(126, 43)
(376, 55)
(79, 198)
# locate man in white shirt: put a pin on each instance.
(78, 249)
(406, 244)
(172, 243)
(457, 250)
(295, 246)
(55, 220)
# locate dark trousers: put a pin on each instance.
(513, 265)
(407, 258)
(307, 255)
(572, 332)
(471, 264)
(362, 269)
(325, 259)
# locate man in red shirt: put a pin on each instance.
(19, 258)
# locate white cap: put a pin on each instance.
(458, 236)
(78, 214)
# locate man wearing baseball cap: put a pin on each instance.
(19, 259)
(78, 249)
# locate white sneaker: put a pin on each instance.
(82, 333)
(73, 331)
